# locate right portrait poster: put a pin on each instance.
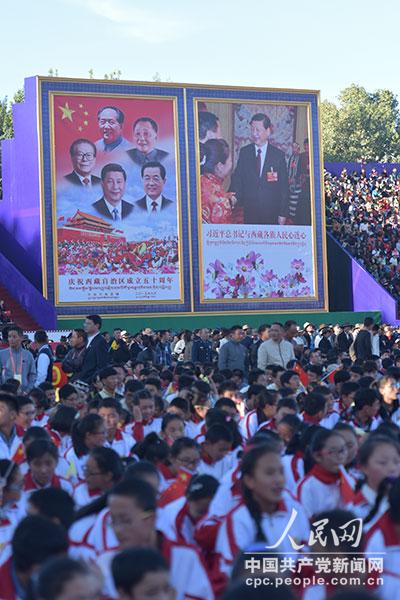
(255, 203)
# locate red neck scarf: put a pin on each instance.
(323, 475)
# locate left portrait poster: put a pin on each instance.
(116, 199)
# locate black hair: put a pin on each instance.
(263, 399)
(107, 372)
(130, 566)
(5, 467)
(201, 486)
(208, 121)
(217, 433)
(146, 120)
(349, 387)
(81, 141)
(152, 448)
(55, 574)
(96, 319)
(36, 539)
(15, 328)
(314, 403)
(364, 453)
(109, 168)
(23, 401)
(287, 375)
(341, 376)
(54, 503)
(65, 391)
(133, 385)
(254, 375)
(180, 403)
(182, 444)
(249, 463)
(120, 114)
(36, 433)
(110, 403)
(39, 448)
(163, 173)
(63, 419)
(316, 442)
(266, 121)
(365, 397)
(89, 424)
(10, 401)
(227, 402)
(108, 461)
(39, 398)
(138, 469)
(337, 518)
(141, 395)
(139, 490)
(215, 151)
(168, 418)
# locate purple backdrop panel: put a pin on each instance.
(20, 208)
(336, 167)
(368, 295)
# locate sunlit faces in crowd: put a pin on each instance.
(329, 450)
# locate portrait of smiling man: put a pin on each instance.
(154, 178)
(112, 205)
(111, 122)
(145, 133)
(83, 157)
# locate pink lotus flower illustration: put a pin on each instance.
(297, 264)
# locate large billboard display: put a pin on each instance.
(181, 198)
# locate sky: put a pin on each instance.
(313, 44)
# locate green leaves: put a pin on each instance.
(363, 127)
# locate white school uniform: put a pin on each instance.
(82, 495)
(316, 496)
(192, 429)
(138, 431)
(15, 451)
(293, 467)
(175, 523)
(102, 536)
(330, 420)
(219, 468)
(382, 538)
(40, 420)
(76, 465)
(79, 546)
(122, 443)
(363, 502)
(188, 575)
(238, 530)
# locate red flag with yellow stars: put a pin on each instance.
(19, 456)
(175, 490)
(73, 115)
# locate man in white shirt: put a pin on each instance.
(276, 350)
(111, 205)
(154, 180)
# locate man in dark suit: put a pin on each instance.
(111, 205)
(145, 131)
(154, 179)
(260, 179)
(345, 339)
(83, 157)
(97, 355)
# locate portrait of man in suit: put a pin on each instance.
(112, 205)
(154, 179)
(83, 157)
(145, 132)
(111, 122)
(260, 179)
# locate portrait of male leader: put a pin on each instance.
(111, 122)
(83, 158)
(154, 179)
(260, 179)
(145, 132)
(112, 205)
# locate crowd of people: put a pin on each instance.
(363, 215)
(166, 463)
(95, 258)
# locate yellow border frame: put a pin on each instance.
(51, 99)
(184, 86)
(209, 302)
